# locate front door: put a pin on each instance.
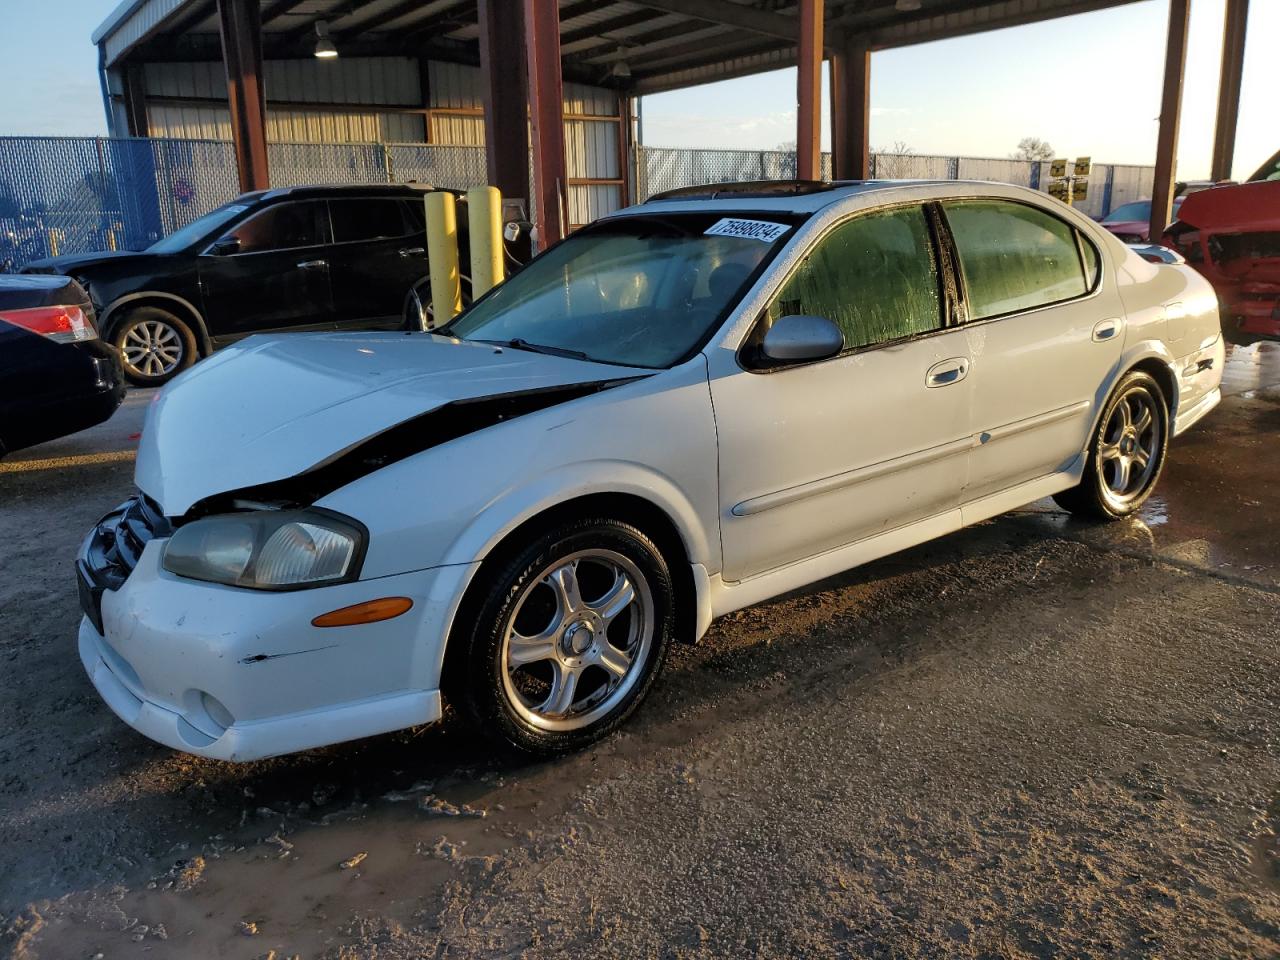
(816, 456)
(1046, 332)
(379, 252)
(270, 272)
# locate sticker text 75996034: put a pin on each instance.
(761, 230)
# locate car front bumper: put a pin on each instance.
(237, 674)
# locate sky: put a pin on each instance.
(1089, 85)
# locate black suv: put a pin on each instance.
(300, 258)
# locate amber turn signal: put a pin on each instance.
(371, 611)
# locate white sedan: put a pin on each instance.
(687, 407)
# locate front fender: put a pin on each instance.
(652, 438)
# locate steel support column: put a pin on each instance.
(809, 92)
(1175, 62)
(135, 100)
(242, 56)
(546, 118)
(506, 124)
(1224, 140)
(851, 112)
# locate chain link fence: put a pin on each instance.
(662, 168)
(73, 194)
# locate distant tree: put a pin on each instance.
(786, 146)
(1033, 148)
(893, 162)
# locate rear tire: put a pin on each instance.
(154, 346)
(569, 636)
(1126, 454)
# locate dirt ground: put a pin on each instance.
(1033, 738)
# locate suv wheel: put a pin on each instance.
(154, 345)
(1126, 454)
(570, 636)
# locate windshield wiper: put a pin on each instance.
(519, 343)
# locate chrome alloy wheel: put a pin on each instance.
(1129, 448)
(152, 348)
(577, 640)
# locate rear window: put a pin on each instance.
(1014, 256)
(367, 219)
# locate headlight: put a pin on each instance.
(267, 549)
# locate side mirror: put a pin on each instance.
(225, 247)
(798, 338)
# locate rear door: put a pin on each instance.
(820, 455)
(269, 272)
(1045, 330)
(379, 252)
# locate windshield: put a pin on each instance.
(212, 221)
(641, 291)
(1139, 210)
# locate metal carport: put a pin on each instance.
(527, 49)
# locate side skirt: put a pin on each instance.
(727, 597)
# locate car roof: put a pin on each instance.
(329, 191)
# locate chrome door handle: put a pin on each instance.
(1106, 329)
(946, 372)
(412, 251)
(312, 264)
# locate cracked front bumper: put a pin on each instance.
(239, 674)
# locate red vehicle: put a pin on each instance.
(1131, 222)
(1231, 234)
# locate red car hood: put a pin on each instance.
(1241, 208)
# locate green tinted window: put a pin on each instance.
(874, 276)
(1013, 256)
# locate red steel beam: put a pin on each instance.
(809, 92)
(851, 112)
(1175, 63)
(546, 118)
(242, 55)
(1224, 140)
(506, 127)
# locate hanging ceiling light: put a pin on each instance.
(620, 70)
(325, 49)
(907, 6)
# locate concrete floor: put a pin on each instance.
(1032, 738)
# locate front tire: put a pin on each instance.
(570, 635)
(1126, 454)
(154, 346)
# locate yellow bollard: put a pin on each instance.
(484, 218)
(442, 255)
(55, 236)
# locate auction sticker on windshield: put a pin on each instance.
(748, 229)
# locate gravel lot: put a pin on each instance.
(1034, 738)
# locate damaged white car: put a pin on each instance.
(687, 407)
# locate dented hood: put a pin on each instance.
(269, 408)
(1239, 208)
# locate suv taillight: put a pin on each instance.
(63, 324)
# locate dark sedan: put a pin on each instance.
(300, 258)
(56, 375)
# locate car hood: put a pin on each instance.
(71, 262)
(270, 408)
(1239, 208)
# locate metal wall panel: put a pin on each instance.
(591, 149)
(455, 85)
(199, 122)
(593, 101)
(461, 130)
(356, 80)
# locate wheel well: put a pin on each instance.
(1162, 375)
(647, 517)
(118, 312)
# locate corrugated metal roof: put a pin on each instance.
(664, 43)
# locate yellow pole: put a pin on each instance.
(54, 236)
(442, 255)
(484, 218)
